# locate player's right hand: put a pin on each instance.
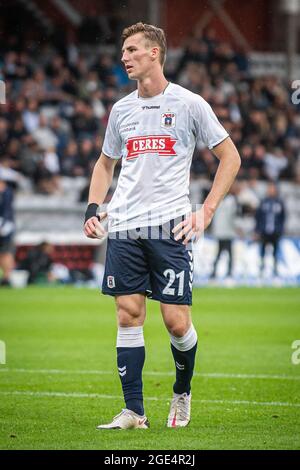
(93, 227)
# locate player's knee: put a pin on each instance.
(186, 341)
(179, 328)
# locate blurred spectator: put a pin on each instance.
(270, 217)
(52, 161)
(7, 229)
(105, 70)
(45, 176)
(31, 116)
(88, 156)
(89, 84)
(83, 122)
(97, 104)
(17, 130)
(4, 134)
(62, 131)
(70, 160)
(274, 164)
(43, 135)
(30, 155)
(38, 263)
(223, 227)
(248, 198)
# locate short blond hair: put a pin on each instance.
(152, 34)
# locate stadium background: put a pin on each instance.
(60, 63)
(63, 74)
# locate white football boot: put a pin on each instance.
(127, 419)
(180, 411)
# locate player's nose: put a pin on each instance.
(124, 58)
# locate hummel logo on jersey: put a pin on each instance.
(111, 282)
(161, 144)
(122, 371)
(150, 107)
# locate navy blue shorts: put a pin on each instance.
(149, 261)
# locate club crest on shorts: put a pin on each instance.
(168, 120)
(111, 282)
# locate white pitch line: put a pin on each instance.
(117, 397)
(216, 375)
(212, 375)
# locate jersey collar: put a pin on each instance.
(164, 92)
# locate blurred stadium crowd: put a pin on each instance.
(58, 102)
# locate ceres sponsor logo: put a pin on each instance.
(160, 144)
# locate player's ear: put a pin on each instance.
(154, 52)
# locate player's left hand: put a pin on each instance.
(93, 226)
(194, 225)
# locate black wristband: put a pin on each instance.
(91, 211)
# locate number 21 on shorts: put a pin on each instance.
(171, 276)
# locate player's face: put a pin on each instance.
(137, 56)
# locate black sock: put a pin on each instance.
(184, 363)
(130, 365)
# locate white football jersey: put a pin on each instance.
(156, 137)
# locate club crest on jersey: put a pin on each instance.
(111, 282)
(168, 120)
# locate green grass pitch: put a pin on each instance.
(60, 378)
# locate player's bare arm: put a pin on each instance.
(198, 221)
(100, 183)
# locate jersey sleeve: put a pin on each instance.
(206, 125)
(112, 145)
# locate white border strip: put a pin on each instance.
(117, 397)
(213, 375)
